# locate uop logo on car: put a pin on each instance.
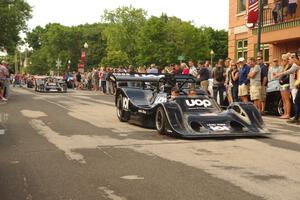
(198, 102)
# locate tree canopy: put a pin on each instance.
(56, 41)
(13, 17)
(124, 36)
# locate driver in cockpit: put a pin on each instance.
(192, 92)
(174, 92)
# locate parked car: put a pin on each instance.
(274, 104)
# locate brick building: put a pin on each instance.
(278, 35)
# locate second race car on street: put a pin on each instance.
(50, 84)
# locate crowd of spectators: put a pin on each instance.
(241, 80)
(284, 10)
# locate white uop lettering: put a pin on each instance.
(198, 102)
(160, 100)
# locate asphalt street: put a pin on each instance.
(72, 146)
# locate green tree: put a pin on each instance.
(33, 38)
(115, 59)
(124, 37)
(93, 35)
(123, 26)
(163, 39)
(218, 42)
(13, 17)
(66, 43)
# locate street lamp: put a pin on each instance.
(83, 57)
(211, 57)
(69, 65)
(86, 46)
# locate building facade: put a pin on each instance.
(280, 32)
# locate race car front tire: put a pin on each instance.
(161, 121)
(121, 113)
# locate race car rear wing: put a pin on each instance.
(139, 77)
(124, 77)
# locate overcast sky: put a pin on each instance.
(212, 13)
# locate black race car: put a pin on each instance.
(145, 100)
(50, 84)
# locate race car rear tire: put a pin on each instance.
(121, 113)
(161, 121)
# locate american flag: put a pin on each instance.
(253, 11)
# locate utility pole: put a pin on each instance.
(16, 61)
(260, 23)
(21, 63)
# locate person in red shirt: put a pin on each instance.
(185, 68)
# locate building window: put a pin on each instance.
(265, 52)
(242, 49)
(264, 48)
(241, 6)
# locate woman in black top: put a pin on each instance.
(234, 79)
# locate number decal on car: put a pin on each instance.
(125, 103)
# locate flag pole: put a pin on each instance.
(260, 24)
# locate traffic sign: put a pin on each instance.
(58, 63)
(182, 57)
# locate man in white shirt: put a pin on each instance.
(153, 69)
(193, 69)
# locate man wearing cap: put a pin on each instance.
(243, 80)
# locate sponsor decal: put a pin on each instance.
(209, 114)
(51, 87)
(149, 75)
(121, 74)
(142, 111)
(160, 100)
(198, 102)
(218, 127)
(125, 103)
